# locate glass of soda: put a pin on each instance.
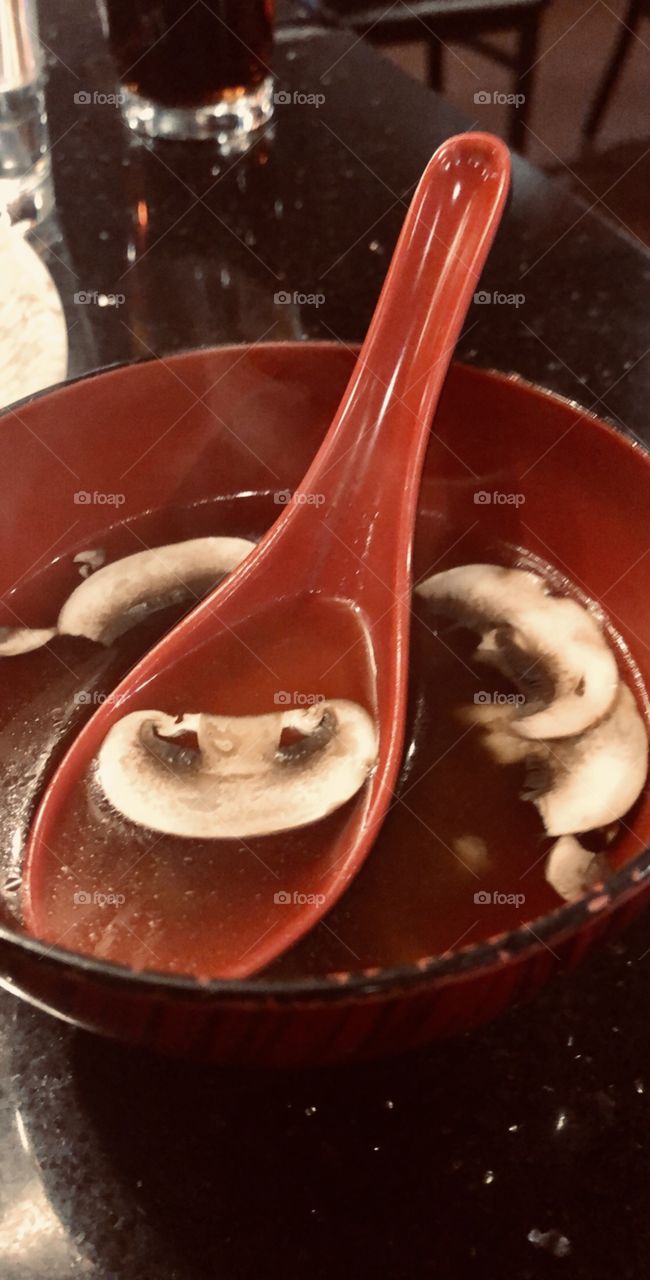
(193, 68)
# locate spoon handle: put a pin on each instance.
(382, 425)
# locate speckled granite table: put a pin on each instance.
(520, 1152)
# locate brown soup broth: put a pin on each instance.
(459, 859)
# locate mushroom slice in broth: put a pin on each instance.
(556, 655)
(592, 779)
(552, 648)
(480, 595)
(17, 640)
(239, 781)
(113, 598)
(89, 561)
(572, 870)
(118, 596)
(577, 783)
(579, 733)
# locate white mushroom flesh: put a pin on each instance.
(573, 870)
(579, 734)
(595, 778)
(239, 781)
(16, 640)
(479, 595)
(555, 653)
(552, 648)
(117, 597)
(89, 561)
(577, 783)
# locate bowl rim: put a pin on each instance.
(563, 922)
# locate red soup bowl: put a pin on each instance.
(242, 419)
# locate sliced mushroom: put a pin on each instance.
(579, 733)
(578, 783)
(239, 780)
(585, 782)
(482, 595)
(117, 597)
(552, 648)
(15, 640)
(89, 561)
(557, 656)
(573, 870)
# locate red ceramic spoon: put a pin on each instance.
(323, 604)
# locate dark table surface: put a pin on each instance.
(520, 1151)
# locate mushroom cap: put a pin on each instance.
(551, 647)
(240, 782)
(16, 640)
(579, 783)
(120, 594)
(89, 560)
(482, 595)
(573, 870)
(596, 777)
(556, 654)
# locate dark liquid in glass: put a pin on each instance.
(182, 55)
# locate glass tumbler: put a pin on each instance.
(26, 193)
(193, 70)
